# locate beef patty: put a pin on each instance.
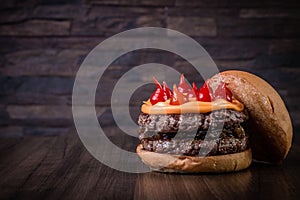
(186, 134)
(198, 123)
(193, 147)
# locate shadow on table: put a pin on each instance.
(176, 186)
(259, 181)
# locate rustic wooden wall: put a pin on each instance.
(43, 43)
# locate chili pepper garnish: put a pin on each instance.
(183, 87)
(182, 94)
(177, 98)
(193, 92)
(159, 95)
(167, 90)
(222, 92)
(204, 93)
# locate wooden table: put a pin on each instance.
(59, 167)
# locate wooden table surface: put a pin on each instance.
(59, 167)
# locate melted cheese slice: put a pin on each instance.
(190, 107)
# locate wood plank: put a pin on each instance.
(7, 143)
(19, 165)
(68, 169)
(61, 168)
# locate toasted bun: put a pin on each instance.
(194, 164)
(269, 126)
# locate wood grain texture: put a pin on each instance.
(39, 167)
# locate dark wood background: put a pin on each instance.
(43, 43)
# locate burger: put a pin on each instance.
(232, 118)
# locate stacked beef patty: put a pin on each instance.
(219, 132)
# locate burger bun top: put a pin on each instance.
(269, 125)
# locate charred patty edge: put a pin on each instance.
(193, 147)
(171, 123)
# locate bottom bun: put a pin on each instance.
(194, 164)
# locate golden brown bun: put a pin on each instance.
(194, 164)
(269, 126)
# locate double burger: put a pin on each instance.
(234, 117)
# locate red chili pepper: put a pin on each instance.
(194, 87)
(177, 98)
(222, 92)
(193, 92)
(204, 93)
(167, 90)
(228, 94)
(158, 95)
(183, 87)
